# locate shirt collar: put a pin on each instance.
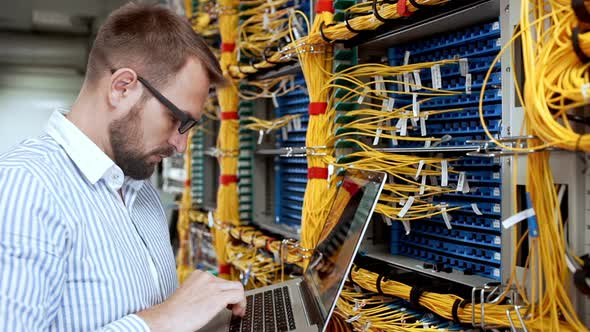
(87, 156)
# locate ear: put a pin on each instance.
(124, 89)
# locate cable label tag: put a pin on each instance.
(436, 77)
(406, 58)
(210, 219)
(423, 185)
(496, 26)
(419, 170)
(406, 82)
(407, 226)
(284, 133)
(379, 85)
(415, 105)
(260, 136)
(427, 144)
(422, 126)
(386, 220)
(406, 207)
(362, 96)
(446, 217)
(265, 21)
(414, 123)
(403, 131)
(297, 123)
(463, 66)
(468, 84)
(520, 216)
(377, 135)
(389, 104)
(461, 181)
(275, 102)
(412, 83)
(444, 173)
(289, 126)
(476, 209)
(417, 79)
(400, 82)
(353, 318)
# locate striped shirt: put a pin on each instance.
(75, 253)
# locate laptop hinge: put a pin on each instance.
(311, 305)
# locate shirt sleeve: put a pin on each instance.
(34, 243)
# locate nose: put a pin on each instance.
(179, 141)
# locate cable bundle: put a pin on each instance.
(256, 268)
(269, 88)
(316, 64)
(553, 91)
(332, 32)
(269, 125)
(183, 266)
(228, 140)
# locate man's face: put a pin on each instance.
(149, 131)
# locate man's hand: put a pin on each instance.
(200, 298)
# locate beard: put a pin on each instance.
(126, 144)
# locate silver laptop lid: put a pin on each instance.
(340, 239)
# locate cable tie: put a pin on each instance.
(224, 268)
(351, 187)
(576, 45)
(415, 295)
(226, 179)
(324, 6)
(228, 47)
(580, 10)
(317, 173)
(317, 108)
(402, 9)
(229, 116)
(418, 5)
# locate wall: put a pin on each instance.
(28, 96)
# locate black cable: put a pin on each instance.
(576, 45)
(580, 10)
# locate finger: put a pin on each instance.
(225, 285)
(239, 309)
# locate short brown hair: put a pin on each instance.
(152, 40)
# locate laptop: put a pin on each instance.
(307, 303)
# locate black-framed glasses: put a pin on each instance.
(186, 120)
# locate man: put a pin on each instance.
(83, 236)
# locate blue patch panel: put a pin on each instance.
(291, 174)
(474, 242)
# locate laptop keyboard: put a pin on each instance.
(266, 312)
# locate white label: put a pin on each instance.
(461, 181)
(353, 318)
(289, 126)
(386, 219)
(520, 216)
(423, 126)
(362, 96)
(384, 105)
(468, 84)
(406, 207)
(496, 272)
(417, 79)
(377, 135)
(406, 58)
(210, 219)
(419, 170)
(297, 124)
(496, 192)
(414, 122)
(463, 67)
(407, 226)
(403, 131)
(422, 185)
(275, 102)
(393, 140)
(497, 240)
(284, 134)
(466, 187)
(476, 209)
(415, 105)
(495, 176)
(496, 26)
(444, 173)
(265, 21)
(497, 256)
(390, 104)
(436, 77)
(427, 144)
(498, 42)
(496, 208)
(496, 224)
(446, 217)
(260, 136)
(406, 82)
(400, 83)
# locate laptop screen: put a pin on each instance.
(332, 258)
